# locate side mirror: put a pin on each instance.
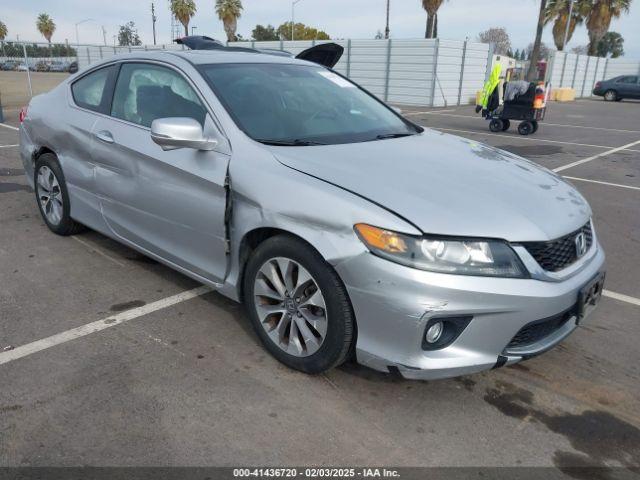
(397, 110)
(180, 132)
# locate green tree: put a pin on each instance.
(600, 17)
(3, 35)
(532, 73)
(128, 35)
(557, 11)
(264, 34)
(46, 26)
(183, 10)
(517, 54)
(301, 32)
(229, 11)
(611, 44)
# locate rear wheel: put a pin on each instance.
(298, 305)
(610, 96)
(496, 125)
(525, 128)
(53, 197)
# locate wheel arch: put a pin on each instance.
(253, 238)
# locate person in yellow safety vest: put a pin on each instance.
(490, 85)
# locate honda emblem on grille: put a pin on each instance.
(581, 244)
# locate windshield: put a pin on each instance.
(301, 105)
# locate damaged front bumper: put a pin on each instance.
(393, 305)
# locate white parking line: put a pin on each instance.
(600, 155)
(544, 123)
(621, 297)
(97, 326)
(601, 182)
(430, 112)
(9, 146)
(518, 137)
(11, 127)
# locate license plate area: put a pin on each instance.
(590, 295)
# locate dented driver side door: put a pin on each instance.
(169, 203)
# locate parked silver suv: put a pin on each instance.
(342, 226)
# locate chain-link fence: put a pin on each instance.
(30, 68)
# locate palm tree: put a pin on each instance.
(229, 11)
(183, 10)
(600, 18)
(532, 73)
(3, 34)
(557, 11)
(46, 26)
(431, 6)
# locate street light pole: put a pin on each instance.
(293, 20)
(79, 23)
(566, 32)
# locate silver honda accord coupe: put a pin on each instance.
(344, 228)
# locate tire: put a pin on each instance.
(52, 196)
(333, 336)
(505, 125)
(525, 128)
(610, 96)
(535, 126)
(496, 125)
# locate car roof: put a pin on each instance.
(201, 57)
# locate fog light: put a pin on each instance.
(434, 332)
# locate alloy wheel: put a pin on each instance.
(290, 306)
(49, 195)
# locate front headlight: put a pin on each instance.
(492, 258)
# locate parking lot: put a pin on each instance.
(180, 378)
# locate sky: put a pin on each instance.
(457, 19)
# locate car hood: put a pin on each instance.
(449, 185)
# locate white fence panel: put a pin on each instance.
(581, 72)
(411, 72)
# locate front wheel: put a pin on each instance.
(298, 305)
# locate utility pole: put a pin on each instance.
(104, 34)
(153, 20)
(192, 29)
(566, 32)
(386, 30)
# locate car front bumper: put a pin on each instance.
(393, 305)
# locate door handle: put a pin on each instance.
(104, 136)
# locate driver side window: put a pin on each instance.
(146, 92)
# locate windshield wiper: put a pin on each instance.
(289, 143)
(393, 135)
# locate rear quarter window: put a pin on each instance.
(89, 91)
